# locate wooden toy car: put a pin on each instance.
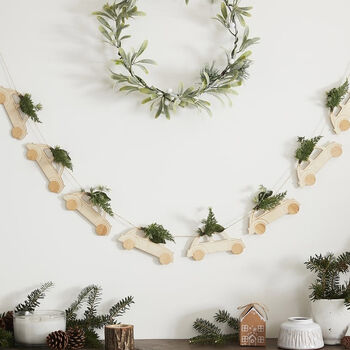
(340, 117)
(43, 156)
(8, 98)
(199, 249)
(132, 239)
(80, 202)
(307, 171)
(258, 220)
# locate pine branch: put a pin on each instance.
(157, 233)
(211, 225)
(99, 198)
(306, 147)
(29, 108)
(33, 299)
(92, 339)
(205, 327)
(336, 95)
(120, 308)
(222, 316)
(6, 339)
(60, 156)
(93, 302)
(265, 200)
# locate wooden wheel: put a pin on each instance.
(336, 151)
(128, 244)
(293, 208)
(17, 132)
(198, 255)
(260, 228)
(165, 259)
(344, 125)
(71, 204)
(237, 248)
(54, 186)
(32, 154)
(101, 230)
(310, 179)
(2, 98)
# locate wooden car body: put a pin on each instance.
(307, 171)
(80, 202)
(340, 118)
(258, 220)
(43, 156)
(199, 249)
(9, 98)
(132, 239)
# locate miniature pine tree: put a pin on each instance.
(336, 95)
(60, 156)
(210, 333)
(99, 198)
(211, 225)
(29, 108)
(157, 233)
(306, 147)
(265, 200)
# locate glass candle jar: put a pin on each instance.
(32, 328)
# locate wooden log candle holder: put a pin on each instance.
(119, 337)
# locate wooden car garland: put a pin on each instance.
(340, 118)
(80, 202)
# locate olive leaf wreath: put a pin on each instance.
(213, 81)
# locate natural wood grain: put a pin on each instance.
(119, 337)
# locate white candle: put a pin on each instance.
(32, 328)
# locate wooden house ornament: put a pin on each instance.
(340, 118)
(133, 239)
(307, 170)
(43, 156)
(9, 99)
(80, 202)
(258, 220)
(252, 325)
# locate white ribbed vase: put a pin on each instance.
(300, 333)
(333, 317)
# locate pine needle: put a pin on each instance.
(211, 225)
(306, 147)
(157, 233)
(29, 108)
(60, 156)
(99, 198)
(6, 339)
(265, 200)
(336, 95)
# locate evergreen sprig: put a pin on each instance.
(211, 225)
(213, 81)
(306, 147)
(210, 333)
(33, 299)
(266, 200)
(90, 297)
(6, 339)
(328, 269)
(336, 95)
(157, 233)
(61, 156)
(99, 198)
(28, 107)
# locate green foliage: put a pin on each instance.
(60, 156)
(29, 108)
(211, 225)
(6, 339)
(90, 297)
(157, 233)
(306, 147)
(33, 299)
(328, 269)
(213, 81)
(265, 200)
(99, 198)
(336, 95)
(210, 333)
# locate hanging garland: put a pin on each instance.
(213, 80)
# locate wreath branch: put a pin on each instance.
(213, 81)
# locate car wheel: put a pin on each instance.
(71, 204)
(237, 248)
(32, 154)
(260, 228)
(17, 132)
(128, 244)
(101, 230)
(2, 98)
(336, 151)
(198, 255)
(54, 186)
(310, 179)
(293, 208)
(344, 125)
(165, 259)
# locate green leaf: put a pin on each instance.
(160, 109)
(147, 60)
(104, 22)
(142, 48)
(224, 10)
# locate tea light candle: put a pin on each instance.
(32, 328)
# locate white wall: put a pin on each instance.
(171, 171)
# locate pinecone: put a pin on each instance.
(346, 342)
(6, 321)
(76, 338)
(57, 340)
